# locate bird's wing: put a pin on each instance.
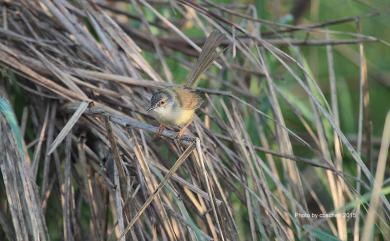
(188, 99)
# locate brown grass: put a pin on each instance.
(97, 173)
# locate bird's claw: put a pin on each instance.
(160, 131)
(180, 134)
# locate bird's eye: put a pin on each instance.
(162, 102)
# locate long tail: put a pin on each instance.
(206, 57)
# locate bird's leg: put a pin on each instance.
(180, 133)
(160, 130)
(182, 130)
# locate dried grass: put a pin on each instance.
(83, 68)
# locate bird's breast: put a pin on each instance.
(175, 116)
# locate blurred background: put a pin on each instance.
(260, 168)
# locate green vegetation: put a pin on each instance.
(291, 144)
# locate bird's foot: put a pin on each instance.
(160, 131)
(180, 133)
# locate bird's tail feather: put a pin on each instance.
(207, 56)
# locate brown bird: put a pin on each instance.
(177, 105)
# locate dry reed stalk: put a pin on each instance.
(88, 74)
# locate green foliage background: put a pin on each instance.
(347, 72)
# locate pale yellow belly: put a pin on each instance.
(179, 118)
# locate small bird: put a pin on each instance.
(177, 105)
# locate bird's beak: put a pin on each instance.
(151, 108)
